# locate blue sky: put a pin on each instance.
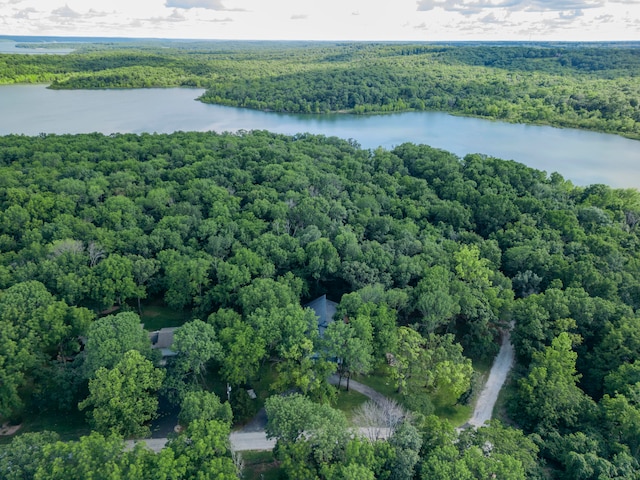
(430, 20)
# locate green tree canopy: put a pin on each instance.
(110, 337)
(548, 397)
(123, 398)
(205, 406)
(34, 328)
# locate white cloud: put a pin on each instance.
(65, 12)
(478, 6)
(207, 4)
(211, 4)
(24, 13)
(328, 20)
(571, 14)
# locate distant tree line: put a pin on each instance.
(580, 86)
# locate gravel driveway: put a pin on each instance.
(499, 371)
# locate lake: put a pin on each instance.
(10, 46)
(581, 156)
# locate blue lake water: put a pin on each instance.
(9, 46)
(581, 156)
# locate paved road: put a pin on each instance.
(243, 441)
(240, 442)
(489, 395)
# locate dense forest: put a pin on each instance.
(572, 85)
(430, 257)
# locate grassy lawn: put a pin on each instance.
(70, 426)
(349, 401)
(380, 380)
(456, 414)
(261, 466)
(156, 316)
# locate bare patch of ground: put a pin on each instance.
(6, 429)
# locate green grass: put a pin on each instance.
(380, 380)
(70, 426)
(347, 402)
(156, 316)
(261, 466)
(483, 366)
(456, 414)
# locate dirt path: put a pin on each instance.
(499, 371)
(7, 430)
(359, 387)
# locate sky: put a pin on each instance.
(412, 20)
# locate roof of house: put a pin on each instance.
(324, 310)
(162, 339)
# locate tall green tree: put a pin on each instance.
(622, 416)
(243, 351)
(350, 346)
(21, 459)
(295, 418)
(203, 405)
(123, 398)
(195, 345)
(110, 337)
(113, 281)
(548, 397)
(143, 270)
(431, 365)
(407, 442)
(93, 456)
(204, 451)
(322, 259)
(185, 278)
(34, 328)
(433, 299)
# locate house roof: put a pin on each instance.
(162, 339)
(325, 310)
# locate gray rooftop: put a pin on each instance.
(162, 339)
(324, 310)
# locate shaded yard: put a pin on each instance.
(156, 316)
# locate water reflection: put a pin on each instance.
(584, 157)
